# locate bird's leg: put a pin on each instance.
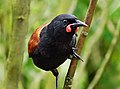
(75, 54)
(55, 73)
(74, 48)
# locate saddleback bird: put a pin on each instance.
(51, 44)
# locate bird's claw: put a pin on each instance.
(74, 48)
(76, 55)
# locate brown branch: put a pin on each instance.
(96, 36)
(73, 65)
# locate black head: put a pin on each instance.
(65, 25)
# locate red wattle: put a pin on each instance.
(68, 28)
(76, 29)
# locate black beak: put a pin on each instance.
(79, 23)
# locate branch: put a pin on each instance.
(106, 59)
(96, 36)
(20, 13)
(73, 65)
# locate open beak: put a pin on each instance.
(79, 23)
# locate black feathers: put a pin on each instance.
(55, 44)
(50, 45)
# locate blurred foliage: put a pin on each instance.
(104, 24)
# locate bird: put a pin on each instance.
(51, 44)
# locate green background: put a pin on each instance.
(105, 22)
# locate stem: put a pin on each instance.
(83, 35)
(20, 13)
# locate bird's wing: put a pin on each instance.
(73, 42)
(72, 45)
(34, 40)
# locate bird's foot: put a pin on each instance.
(74, 48)
(76, 55)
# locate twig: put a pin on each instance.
(96, 36)
(72, 68)
(106, 59)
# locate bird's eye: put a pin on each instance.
(65, 21)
